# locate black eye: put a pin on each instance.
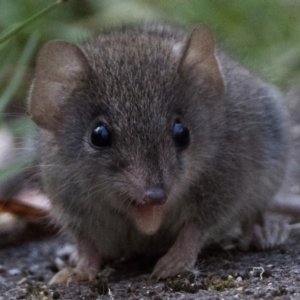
(181, 135)
(100, 136)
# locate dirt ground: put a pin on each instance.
(25, 270)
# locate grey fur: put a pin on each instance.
(232, 169)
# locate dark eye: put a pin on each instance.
(100, 136)
(181, 135)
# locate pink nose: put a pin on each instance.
(155, 196)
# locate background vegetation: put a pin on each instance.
(263, 35)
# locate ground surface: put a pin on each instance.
(25, 270)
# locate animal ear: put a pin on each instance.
(61, 68)
(199, 63)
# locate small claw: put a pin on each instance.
(157, 275)
(68, 275)
(272, 235)
(62, 276)
(273, 232)
(168, 267)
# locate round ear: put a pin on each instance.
(61, 67)
(198, 62)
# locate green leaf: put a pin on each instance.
(18, 28)
(21, 68)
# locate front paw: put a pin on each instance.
(182, 256)
(273, 234)
(68, 275)
(87, 266)
(173, 264)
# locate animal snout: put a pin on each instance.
(155, 196)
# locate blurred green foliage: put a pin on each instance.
(263, 35)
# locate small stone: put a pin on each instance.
(55, 295)
(267, 273)
(34, 268)
(14, 272)
(248, 292)
(24, 279)
(258, 295)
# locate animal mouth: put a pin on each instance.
(147, 216)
